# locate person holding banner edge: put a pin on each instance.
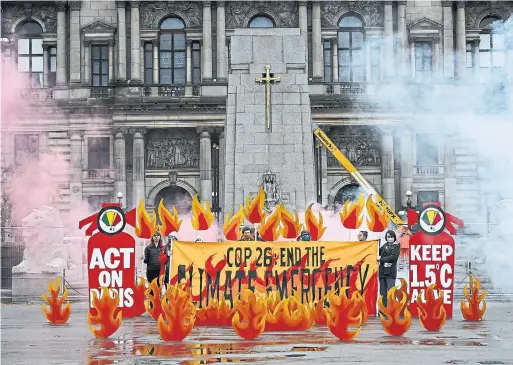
(152, 257)
(388, 256)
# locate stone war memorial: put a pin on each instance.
(286, 182)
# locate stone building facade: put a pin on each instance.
(137, 95)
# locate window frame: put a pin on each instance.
(26, 150)
(30, 55)
(148, 55)
(97, 163)
(102, 76)
(196, 55)
(173, 51)
(491, 51)
(417, 45)
(263, 16)
(351, 49)
(52, 75)
(328, 60)
(425, 139)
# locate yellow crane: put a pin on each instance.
(328, 143)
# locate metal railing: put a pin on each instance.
(98, 174)
(37, 94)
(429, 170)
(101, 92)
(172, 91)
(346, 88)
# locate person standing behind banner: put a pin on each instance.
(246, 234)
(388, 255)
(362, 236)
(152, 257)
(304, 236)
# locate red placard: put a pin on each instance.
(432, 262)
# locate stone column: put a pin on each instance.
(222, 148)
(317, 51)
(74, 35)
(448, 40)
(206, 52)
(450, 174)
(189, 61)
(221, 42)
(120, 164)
(46, 65)
(135, 37)
(334, 65)
(388, 51)
(141, 60)
(121, 74)
(75, 183)
(111, 62)
(303, 27)
(437, 59)
(403, 39)
(205, 165)
(155, 61)
(61, 43)
(406, 164)
(475, 59)
(138, 190)
(87, 63)
(461, 42)
(387, 168)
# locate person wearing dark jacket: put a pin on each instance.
(388, 255)
(151, 257)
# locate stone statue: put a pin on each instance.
(269, 183)
(43, 233)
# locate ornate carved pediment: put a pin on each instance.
(172, 149)
(284, 13)
(370, 11)
(424, 23)
(424, 29)
(153, 12)
(360, 145)
(98, 27)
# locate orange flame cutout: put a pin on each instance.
(344, 313)
(202, 216)
(272, 301)
(56, 314)
(351, 215)
(362, 307)
(231, 225)
(319, 312)
(216, 314)
(270, 228)
(179, 312)
(254, 210)
(314, 226)
(432, 313)
(152, 304)
(106, 306)
(403, 291)
(377, 221)
(471, 310)
(289, 315)
(393, 324)
(146, 226)
(291, 228)
(170, 222)
(139, 295)
(249, 319)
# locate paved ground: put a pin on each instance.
(28, 339)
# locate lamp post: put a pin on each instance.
(403, 213)
(120, 197)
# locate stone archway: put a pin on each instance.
(344, 190)
(174, 196)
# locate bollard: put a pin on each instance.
(63, 281)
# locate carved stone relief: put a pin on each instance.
(371, 11)
(12, 13)
(285, 14)
(269, 182)
(475, 11)
(48, 14)
(360, 145)
(153, 12)
(172, 150)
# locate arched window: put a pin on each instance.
(492, 57)
(30, 52)
(172, 52)
(351, 52)
(261, 21)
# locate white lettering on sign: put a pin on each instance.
(126, 298)
(111, 279)
(416, 292)
(444, 272)
(430, 252)
(111, 258)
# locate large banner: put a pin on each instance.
(214, 271)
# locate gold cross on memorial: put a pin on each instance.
(267, 78)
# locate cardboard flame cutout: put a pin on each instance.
(351, 215)
(254, 209)
(289, 315)
(153, 302)
(106, 306)
(273, 299)
(377, 221)
(216, 314)
(270, 228)
(314, 226)
(202, 216)
(56, 314)
(178, 314)
(362, 307)
(170, 222)
(403, 292)
(146, 226)
(139, 297)
(319, 312)
(432, 314)
(249, 319)
(291, 228)
(471, 310)
(231, 225)
(344, 313)
(393, 324)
